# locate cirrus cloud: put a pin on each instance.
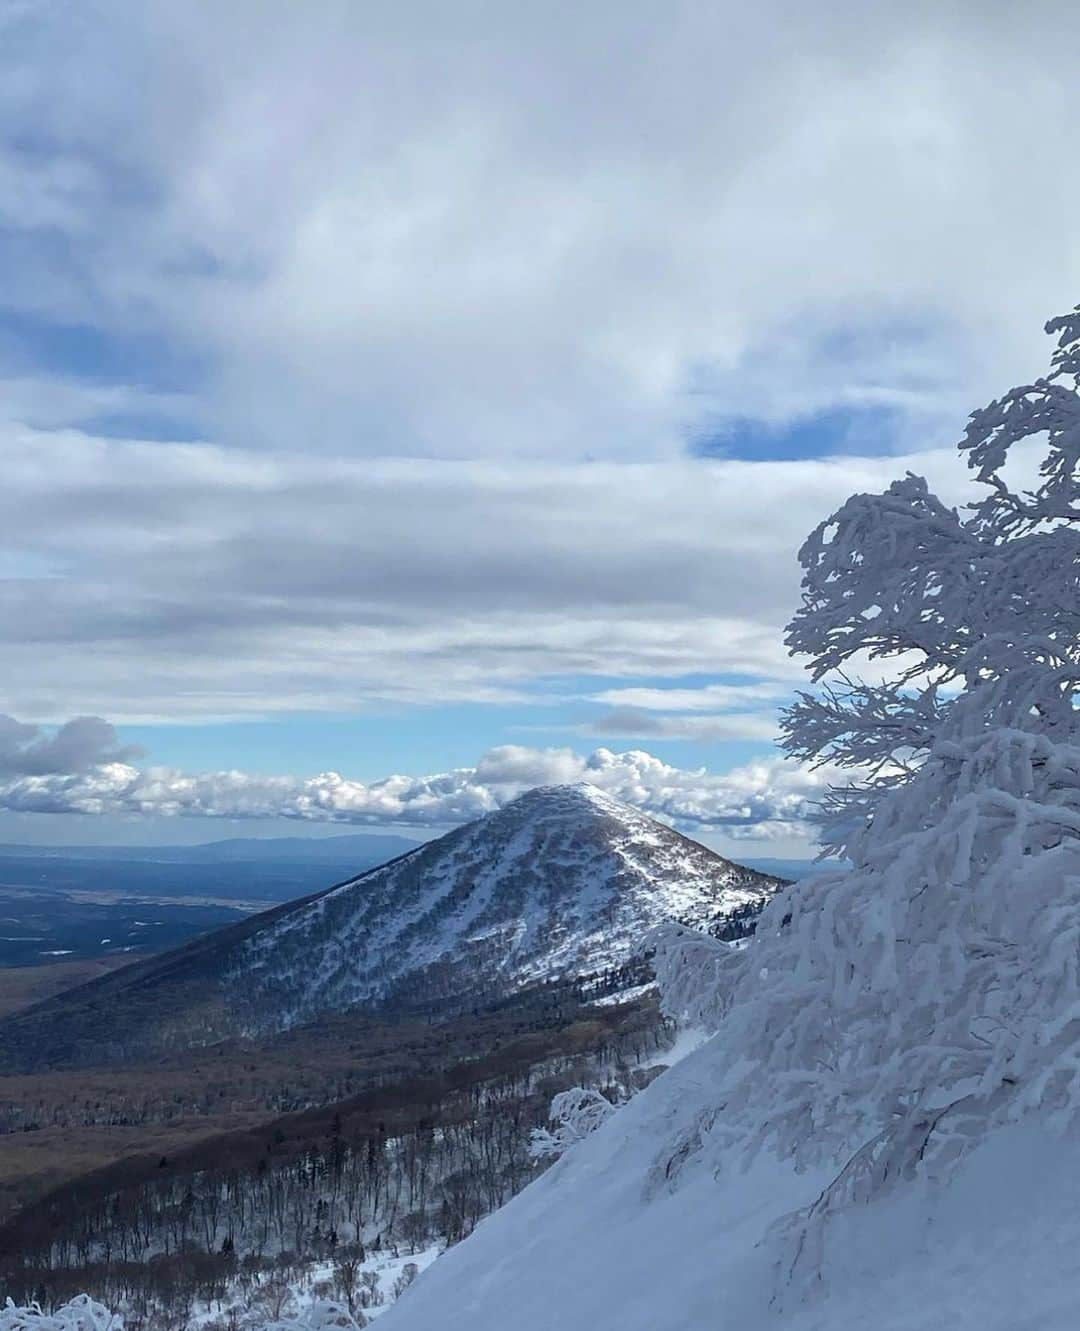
(644, 723)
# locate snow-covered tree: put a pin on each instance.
(83, 1314)
(886, 1017)
(80, 1314)
(321, 1315)
(980, 611)
(574, 1114)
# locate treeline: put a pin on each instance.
(741, 922)
(614, 980)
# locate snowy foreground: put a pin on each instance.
(602, 1241)
(596, 1243)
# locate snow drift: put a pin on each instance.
(635, 1230)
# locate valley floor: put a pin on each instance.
(23, 986)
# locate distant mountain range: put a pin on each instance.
(334, 849)
(244, 869)
(284, 857)
(563, 882)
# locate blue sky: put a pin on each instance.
(369, 409)
(412, 739)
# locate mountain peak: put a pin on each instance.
(562, 883)
(580, 796)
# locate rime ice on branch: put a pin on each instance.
(79, 1314)
(981, 612)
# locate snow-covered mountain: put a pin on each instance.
(565, 881)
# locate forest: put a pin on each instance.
(323, 1193)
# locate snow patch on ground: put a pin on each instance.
(630, 995)
(687, 1040)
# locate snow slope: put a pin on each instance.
(608, 1239)
(564, 881)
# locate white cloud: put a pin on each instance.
(762, 799)
(706, 698)
(549, 230)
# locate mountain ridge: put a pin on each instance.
(564, 881)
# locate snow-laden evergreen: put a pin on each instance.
(980, 609)
(895, 1013)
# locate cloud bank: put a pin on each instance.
(144, 581)
(772, 797)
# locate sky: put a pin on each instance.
(404, 404)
